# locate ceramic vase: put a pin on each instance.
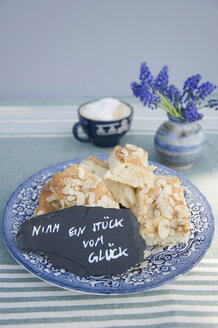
(179, 143)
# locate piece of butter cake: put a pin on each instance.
(77, 185)
(123, 194)
(162, 212)
(129, 165)
(47, 201)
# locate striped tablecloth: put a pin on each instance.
(37, 134)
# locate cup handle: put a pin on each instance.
(75, 132)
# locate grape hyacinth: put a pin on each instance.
(145, 74)
(174, 95)
(190, 86)
(190, 112)
(156, 92)
(213, 103)
(161, 81)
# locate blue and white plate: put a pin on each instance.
(162, 267)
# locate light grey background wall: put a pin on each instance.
(67, 48)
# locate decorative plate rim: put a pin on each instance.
(104, 285)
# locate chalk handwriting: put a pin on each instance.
(113, 223)
(93, 243)
(76, 231)
(45, 229)
(108, 254)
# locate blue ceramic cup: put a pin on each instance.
(102, 133)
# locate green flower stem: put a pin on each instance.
(179, 108)
(164, 108)
(172, 111)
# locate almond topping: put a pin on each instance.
(157, 213)
(65, 191)
(70, 198)
(91, 198)
(41, 212)
(87, 184)
(130, 146)
(164, 228)
(172, 232)
(80, 199)
(124, 151)
(161, 182)
(51, 198)
(151, 235)
(81, 173)
(176, 196)
(75, 182)
(105, 199)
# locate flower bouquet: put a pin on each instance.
(186, 105)
(180, 141)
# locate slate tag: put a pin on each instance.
(85, 240)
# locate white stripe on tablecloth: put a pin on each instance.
(11, 266)
(36, 108)
(199, 278)
(152, 132)
(69, 135)
(18, 284)
(34, 285)
(132, 323)
(66, 120)
(105, 312)
(213, 261)
(37, 135)
(17, 275)
(185, 279)
(204, 269)
(33, 121)
(75, 119)
(155, 299)
(149, 118)
(173, 290)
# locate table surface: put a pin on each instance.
(35, 134)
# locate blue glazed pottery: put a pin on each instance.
(179, 143)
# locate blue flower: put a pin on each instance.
(205, 90)
(144, 92)
(161, 81)
(136, 88)
(213, 103)
(174, 95)
(190, 86)
(145, 74)
(155, 92)
(192, 82)
(190, 112)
